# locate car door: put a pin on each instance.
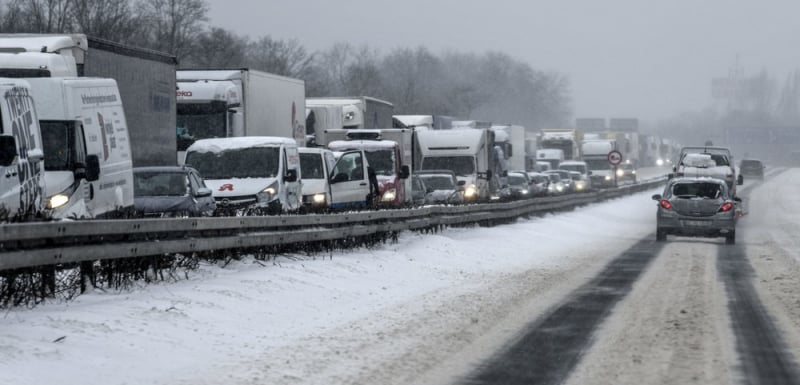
(349, 181)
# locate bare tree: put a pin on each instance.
(287, 58)
(108, 19)
(173, 25)
(220, 49)
(38, 16)
(412, 80)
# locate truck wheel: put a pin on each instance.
(661, 236)
(730, 239)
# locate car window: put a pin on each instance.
(697, 190)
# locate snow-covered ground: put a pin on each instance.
(348, 317)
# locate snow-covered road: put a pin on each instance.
(440, 308)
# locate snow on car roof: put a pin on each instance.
(698, 160)
(225, 144)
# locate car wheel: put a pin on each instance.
(661, 236)
(730, 239)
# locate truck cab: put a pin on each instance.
(22, 180)
(87, 151)
(595, 154)
(467, 152)
(207, 109)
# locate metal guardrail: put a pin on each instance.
(51, 243)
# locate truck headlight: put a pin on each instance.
(608, 177)
(57, 201)
(633, 172)
(318, 199)
(524, 192)
(389, 195)
(660, 162)
(470, 191)
(620, 172)
(269, 193)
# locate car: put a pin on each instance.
(699, 207)
(442, 187)
(716, 162)
(626, 172)
(580, 181)
(555, 186)
(580, 167)
(519, 185)
(539, 183)
(751, 168)
(167, 191)
(418, 190)
(566, 179)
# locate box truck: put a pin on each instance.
(87, 151)
(146, 81)
(223, 103)
(357, 112)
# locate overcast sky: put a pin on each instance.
(624, 58)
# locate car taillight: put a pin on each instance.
(727, 206)
(667, 205)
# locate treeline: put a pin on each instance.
(491, 86)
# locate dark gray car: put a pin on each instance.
(697, 207)
(171, 191)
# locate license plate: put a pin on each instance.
(696, 223)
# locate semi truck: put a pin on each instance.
(566, 140)
(222, 103)
(146, 81)
(511, 138)
(595, 154)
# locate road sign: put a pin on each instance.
(614, 157)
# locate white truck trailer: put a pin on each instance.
(358, 112)
(238, 102)
(146, 81)
(566, 140)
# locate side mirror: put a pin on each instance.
(405, 172)
(203, 192)
(8, 150)
(488, 174)
(290, 176)
(740, 180)
(737, 199)
(340, 177)
(589, 172)
(504, 174)
(656, 197)
(674, 168)
(429, 190)
(35, 155)
(92, 168)
(462, 183)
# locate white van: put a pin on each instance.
(87, 154)
(354, 184)
(22, 182)
(249, 174)
(316, 165)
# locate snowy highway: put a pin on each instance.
(580, 297)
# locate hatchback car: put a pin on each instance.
(751, 168)
(626, 172)
(171, 191)
(519, 185)
(698, 207)
(539, 183)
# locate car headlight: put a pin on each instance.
(470, 191)
(57, 201)
(660, 162)
(389, 195)
(633, 172)
(620, 172)
(269, 193)
(524, 192)
(318, 198)
(608, 177)
(560, 187)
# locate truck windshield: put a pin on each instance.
(575, 167)
(200, 121)
(311, 166)
(560, 144)
(382, 161)
(597, 164)
(58, 142)
(260, 162)
(461, 165)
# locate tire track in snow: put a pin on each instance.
(552, 346)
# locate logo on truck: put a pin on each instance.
(226, 186)
(20, 106)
